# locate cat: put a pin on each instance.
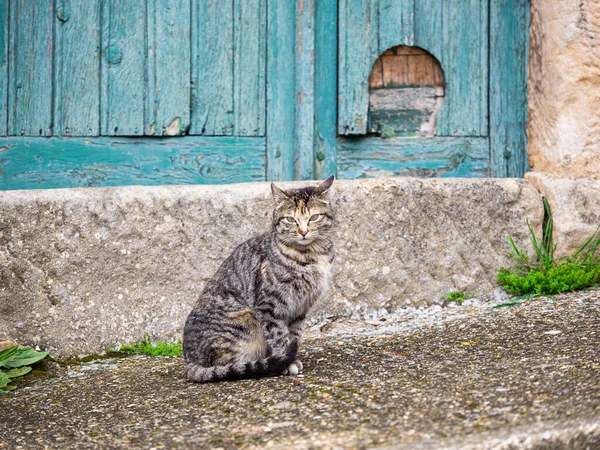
(248, 320)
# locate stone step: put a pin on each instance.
(82, 269)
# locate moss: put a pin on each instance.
(110, 353)
(565, 277)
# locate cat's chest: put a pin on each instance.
(323, 272)
(309, 284)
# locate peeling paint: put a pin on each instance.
(174, 129)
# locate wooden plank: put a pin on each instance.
(168, 67)
(326, 50)
(465, 58)
(422, 97)
(45, 163)
(250, 52)
(30, 68)
(424, 70)
(281, 92)
(429, 20)
(376, 77)
(77, 68)
(396, 23)
(509, 53)
(305, 93)
(358, 50)
(403, 50)
(212, 68)
(436, 157)
(395, 71)
(408, 111)
(406, 69)
(368, 28)
(3, 66)
(123, 68)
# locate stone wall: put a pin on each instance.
(564, 88)
(81, 269)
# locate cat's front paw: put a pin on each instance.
(294, 368)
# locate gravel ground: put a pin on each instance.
(464, 377)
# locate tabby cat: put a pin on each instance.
(248, 320)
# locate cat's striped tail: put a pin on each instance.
(272, 365)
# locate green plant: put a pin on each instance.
(544, 275)
(145, 347)
(457, 296)
(15, 362)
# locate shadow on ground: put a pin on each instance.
(523, 377)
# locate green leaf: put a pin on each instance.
(594, 245)
(512, 302)
(18, 372)
(4, 379)
(24, 357)
(8, 353)
(10, 387)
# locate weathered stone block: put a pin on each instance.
(564, 88)
(575, 206)
(85, 268)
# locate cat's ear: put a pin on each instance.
(279, 195)
(325, 185)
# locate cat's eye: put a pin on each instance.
(290, 219)
(315, 217)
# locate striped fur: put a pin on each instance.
(248, 320)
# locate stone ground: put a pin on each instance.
(513, 378)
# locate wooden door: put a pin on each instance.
(117, 92)
(481, 46)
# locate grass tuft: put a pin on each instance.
(457, 296)
(545, 275)
(145, 347)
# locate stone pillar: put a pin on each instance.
(564, 88)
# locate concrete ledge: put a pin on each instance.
(85, 268)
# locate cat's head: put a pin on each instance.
(303, 216)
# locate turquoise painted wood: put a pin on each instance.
(3, 65)
(249, 67)
(281, 90)
(212, 69)
(123, 67)
(464, 60)
(396, 22)
(228, 67)
(77, 68)
(29, 103)
(44, 163)
(168, 67)
(454, 31)
(325, 139)
(429, 21)
(429, 157)
(358, 50)
(509, 58)
(304, 166)
(251, 90)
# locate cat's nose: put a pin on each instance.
(303, 232)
